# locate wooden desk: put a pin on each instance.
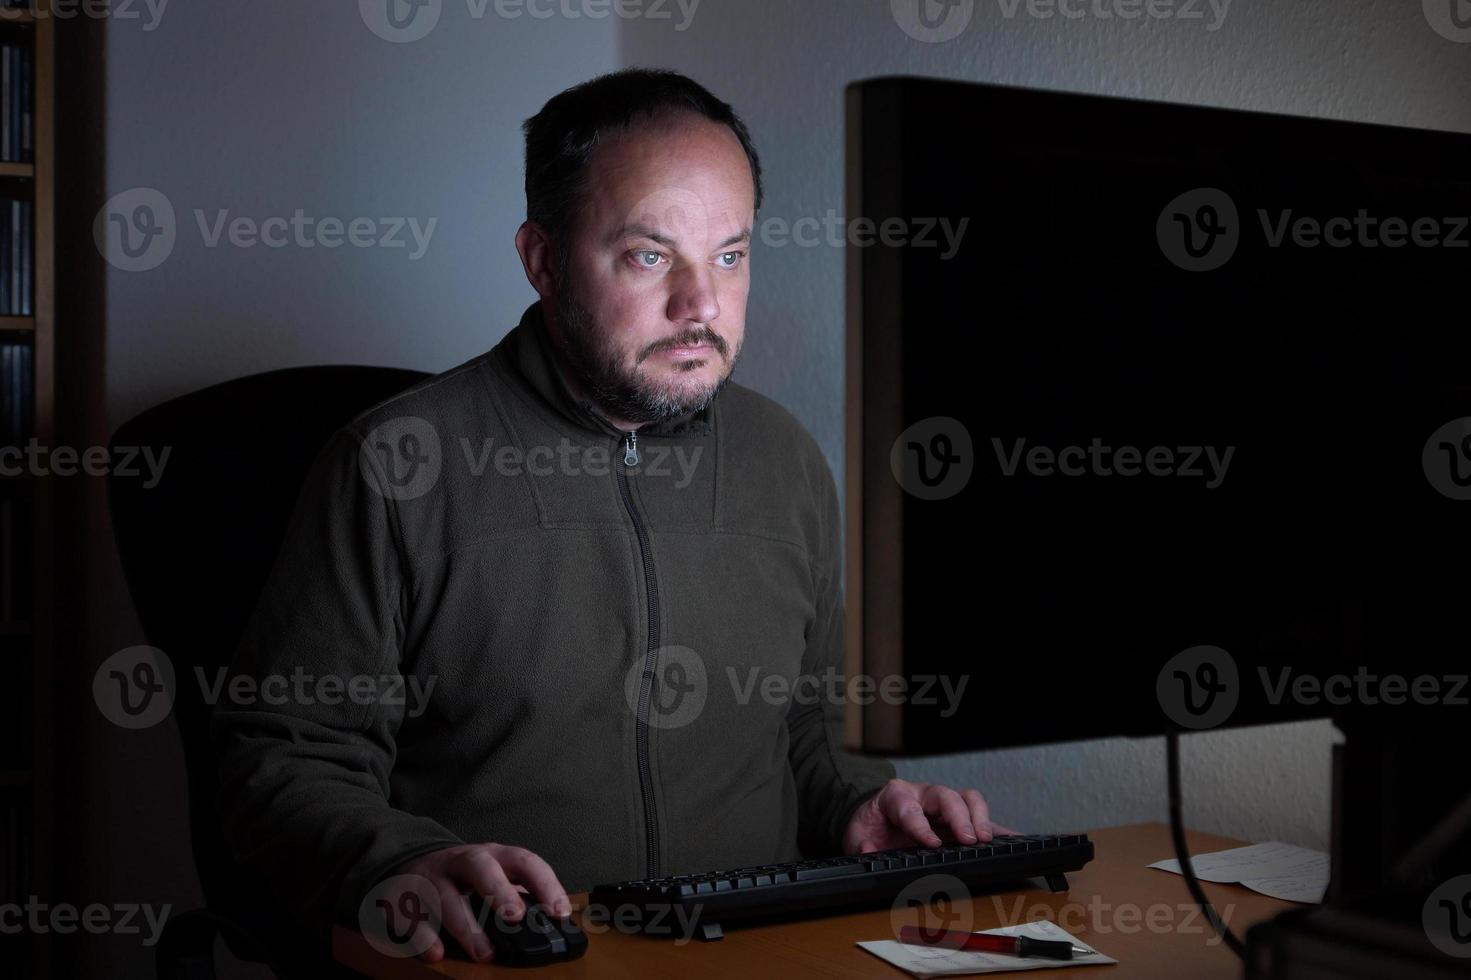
(1110, 905)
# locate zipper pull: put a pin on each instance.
(630, 449)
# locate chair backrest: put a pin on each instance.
(196, 548)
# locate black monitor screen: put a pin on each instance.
(1161, 384)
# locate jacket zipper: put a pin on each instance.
(645, 690)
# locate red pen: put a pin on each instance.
(980, 942)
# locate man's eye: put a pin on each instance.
(731, 259)
(647, 259)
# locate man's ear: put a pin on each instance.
(538, 258)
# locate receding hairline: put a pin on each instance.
(664, 117)
(668, 118)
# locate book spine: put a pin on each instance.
(6, 58)
(12, 92)
(7, 52)
(15, 233)
(27, 385)
(17, 66)
(27, 246)
(27, 105)
(5, 260)
(9, 398)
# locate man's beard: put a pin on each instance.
(620, 391)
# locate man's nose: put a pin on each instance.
(692, 297)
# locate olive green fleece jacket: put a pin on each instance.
(568, 650)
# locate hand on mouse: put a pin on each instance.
(493, 871)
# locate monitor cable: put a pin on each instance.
(1177, 833)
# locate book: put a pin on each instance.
(14, 268)
(27, 98)
(27, 241)
(9, 400)
(6, 53)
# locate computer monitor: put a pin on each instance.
(1159, 420)
(1147, 401)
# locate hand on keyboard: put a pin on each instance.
(902, 813)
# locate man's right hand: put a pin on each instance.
(493, 871)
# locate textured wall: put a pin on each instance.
(261, 109)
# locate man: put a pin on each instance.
(591, 583)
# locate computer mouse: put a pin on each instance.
(536, 940)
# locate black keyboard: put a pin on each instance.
(698, 904)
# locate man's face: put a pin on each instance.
(651, 304)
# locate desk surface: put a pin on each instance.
(1141, 917)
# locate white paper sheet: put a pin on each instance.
(931, 961)
(1286, 871)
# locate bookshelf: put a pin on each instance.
(27, 411)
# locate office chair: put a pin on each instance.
(196, 550)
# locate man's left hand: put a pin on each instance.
(905, 814)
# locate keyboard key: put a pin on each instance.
(831, 871)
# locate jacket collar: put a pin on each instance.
(528, 347)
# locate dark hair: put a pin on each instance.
(561, 138)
